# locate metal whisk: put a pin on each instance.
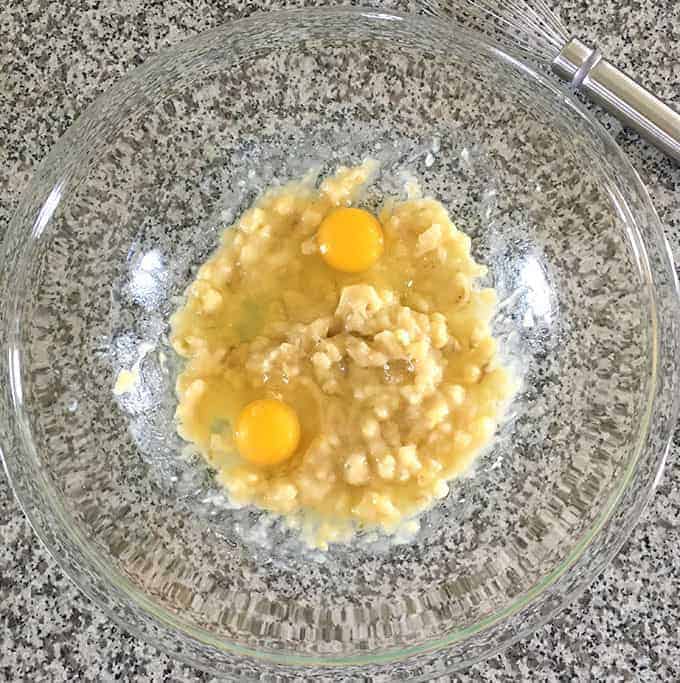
(530, 27)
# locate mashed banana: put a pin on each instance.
(392, 372)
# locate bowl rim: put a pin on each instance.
(167, 624)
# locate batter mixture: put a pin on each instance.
(340, 367)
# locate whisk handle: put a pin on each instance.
(619, 94)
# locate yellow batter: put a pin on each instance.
(339, 365)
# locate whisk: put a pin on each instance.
(531, 28)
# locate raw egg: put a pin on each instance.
(267, 432)
(350, 240)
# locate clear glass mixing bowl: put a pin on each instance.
(133, 198)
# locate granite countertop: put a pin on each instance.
(55, 58)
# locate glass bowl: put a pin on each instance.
(133, 198)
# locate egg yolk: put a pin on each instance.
(267, 432)
(350, 240)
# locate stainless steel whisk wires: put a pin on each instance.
(531, 27)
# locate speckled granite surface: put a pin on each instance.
(54, 59)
